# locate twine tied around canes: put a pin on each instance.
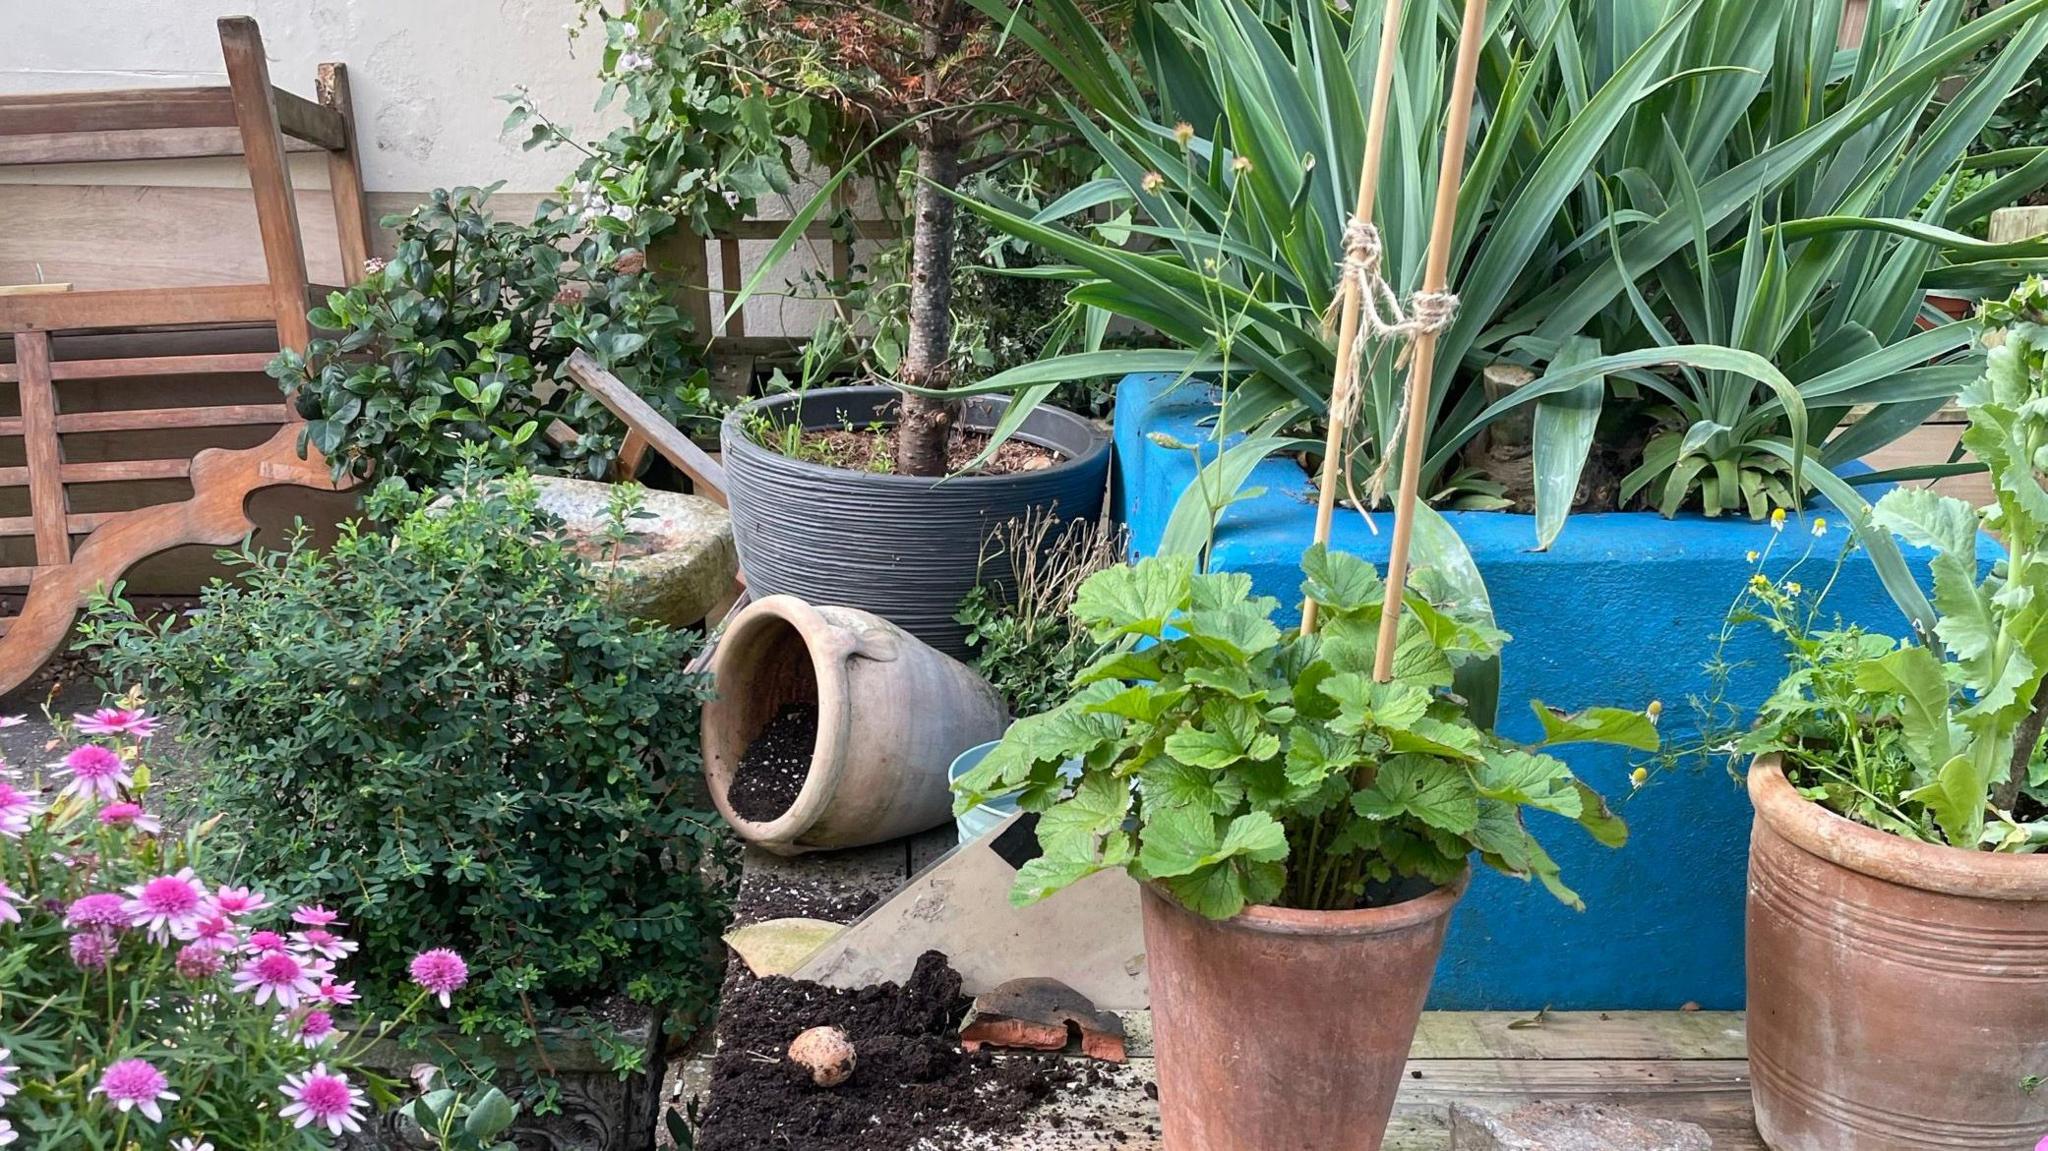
(1382, 315)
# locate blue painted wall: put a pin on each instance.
(1622, 610)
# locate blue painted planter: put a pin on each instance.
(1622, 610)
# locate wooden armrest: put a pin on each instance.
(675, 447)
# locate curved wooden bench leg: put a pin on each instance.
(216, 513)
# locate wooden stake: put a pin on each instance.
(1422, 353)
(1347, 329)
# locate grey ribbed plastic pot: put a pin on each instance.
(903, 547)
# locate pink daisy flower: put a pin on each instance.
(7, 1072)
(117, 721)
(95, 771)
(17, 810)
(238, 901)
(197, 961)
(190, 1143)
(92, 950)
(216, 931)
(125, 814)
(134, 1084)
(319, 1096)
(104, 911)
(277, 975)
(315, 915)
(9, 901)
(314, 1028)
(169, 905)
(7, 1134)
(266, 941)
(338, 994)
(324, 943)
(440, 972)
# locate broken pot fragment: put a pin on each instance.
(1042, 1015)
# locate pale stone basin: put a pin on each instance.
(677, 563)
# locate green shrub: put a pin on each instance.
(438, 729)
(461, 337)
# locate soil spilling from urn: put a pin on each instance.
(910, 1078)
(771, 773)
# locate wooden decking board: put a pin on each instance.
(1713, 1093)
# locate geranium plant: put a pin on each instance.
(1235, 763)
(144, 1002)
(1938, 738)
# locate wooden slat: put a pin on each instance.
(159, 366)
(302, 119)
(77, 523)
(1666, 1035)
(345, 176)
(677, 448)
(817, 230)
(151, 144)
(277, 216)
(729, 284)
(17, 576)
(113, 471)
(103, 471)
(137, 308)
(142, 419)
(39, 443)
(115, 110)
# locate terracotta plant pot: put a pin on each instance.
(1898, 991)
(1287, 1030)
(892, 714)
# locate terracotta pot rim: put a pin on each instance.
(1932, 867)
(1265, 919)
(828, 667)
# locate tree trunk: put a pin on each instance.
(927, 422)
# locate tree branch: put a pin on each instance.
(994, 160)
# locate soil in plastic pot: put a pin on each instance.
(906, 548)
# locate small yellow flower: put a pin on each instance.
(1184, 132)
(1152, 182)
(1792, 587)
(1820, 525)
(1655, 711)
(1639, 777)
(1760, 582)
(1241, 164)
(1777, 519)
(1755, 555)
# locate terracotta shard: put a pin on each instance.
(1042, 1015)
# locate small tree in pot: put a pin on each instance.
(1902, 803)
(945, 76)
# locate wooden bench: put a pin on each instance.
(76, 553)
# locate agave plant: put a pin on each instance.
(1708, 212)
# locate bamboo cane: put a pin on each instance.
(1422, 353)
(1347, 330)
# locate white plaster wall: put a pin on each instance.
(426, 74)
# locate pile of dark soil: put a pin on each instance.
(771, 773)
(910, 1077)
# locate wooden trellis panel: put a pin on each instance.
(247, 116)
